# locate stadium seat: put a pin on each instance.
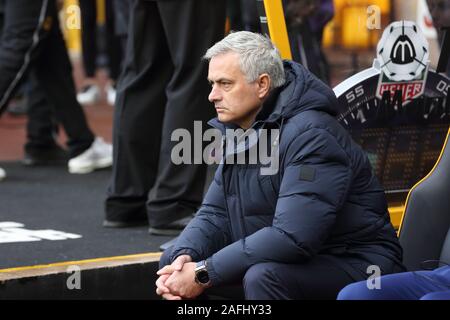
(424, 230)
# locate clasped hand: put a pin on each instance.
(177, 280)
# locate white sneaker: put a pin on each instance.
(110, 94)
(98, 156)
(89, 95)
(2, 174)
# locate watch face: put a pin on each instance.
(203, 276)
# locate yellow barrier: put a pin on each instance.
(277, 27)
(355, 34)
(340, 29)
(101, 12)
(396, 214)
(71, 25)
(71, 22)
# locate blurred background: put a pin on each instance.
(348, 46)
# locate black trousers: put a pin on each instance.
(32, 42)
(89, 38)
(42, 125)
(319, 279)
(121, 21)
(163, 87)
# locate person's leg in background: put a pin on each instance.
(42, 128)
(114, 51)
(122, 19)
(13, 49)
(32, 39)
(234, 15)
(138, 117)
(250, 16)
(178, 189)
(90, 91)
(53, 71)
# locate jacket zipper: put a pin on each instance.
(223, 186)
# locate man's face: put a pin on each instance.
(440, 12)
(235, 100)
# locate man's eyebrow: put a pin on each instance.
(220, 80)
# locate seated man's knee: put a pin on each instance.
(440, 295)
(258, 273)
(259, 281)
(356, 291)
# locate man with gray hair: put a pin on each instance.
(304, 232)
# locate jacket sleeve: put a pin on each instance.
(314, 186)
(209, 230)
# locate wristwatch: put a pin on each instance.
(201, 273)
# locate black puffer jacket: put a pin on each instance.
(324, 199)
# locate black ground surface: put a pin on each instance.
(51, 198)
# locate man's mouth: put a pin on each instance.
(220, 109)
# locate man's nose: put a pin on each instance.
(214, 95)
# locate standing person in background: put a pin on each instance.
(250, 16)
(90, 92)
(161, 89)
(243, 15)
(32, 41)
(40, 147)
(306, 20)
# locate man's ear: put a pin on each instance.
(264, 83)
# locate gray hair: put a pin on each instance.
(257, 55)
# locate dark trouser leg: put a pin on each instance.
(113, 44)
(41, 125)
(250, 16)
(317, 279)
(53, 71)
(138, 115)
(89, 35)
(41, 46)
(178, 189)
(25, 16)
(121, 20)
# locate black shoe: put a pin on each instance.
(124, 224)
(45, 156)
(170, 229)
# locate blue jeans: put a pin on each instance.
(416, 285)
